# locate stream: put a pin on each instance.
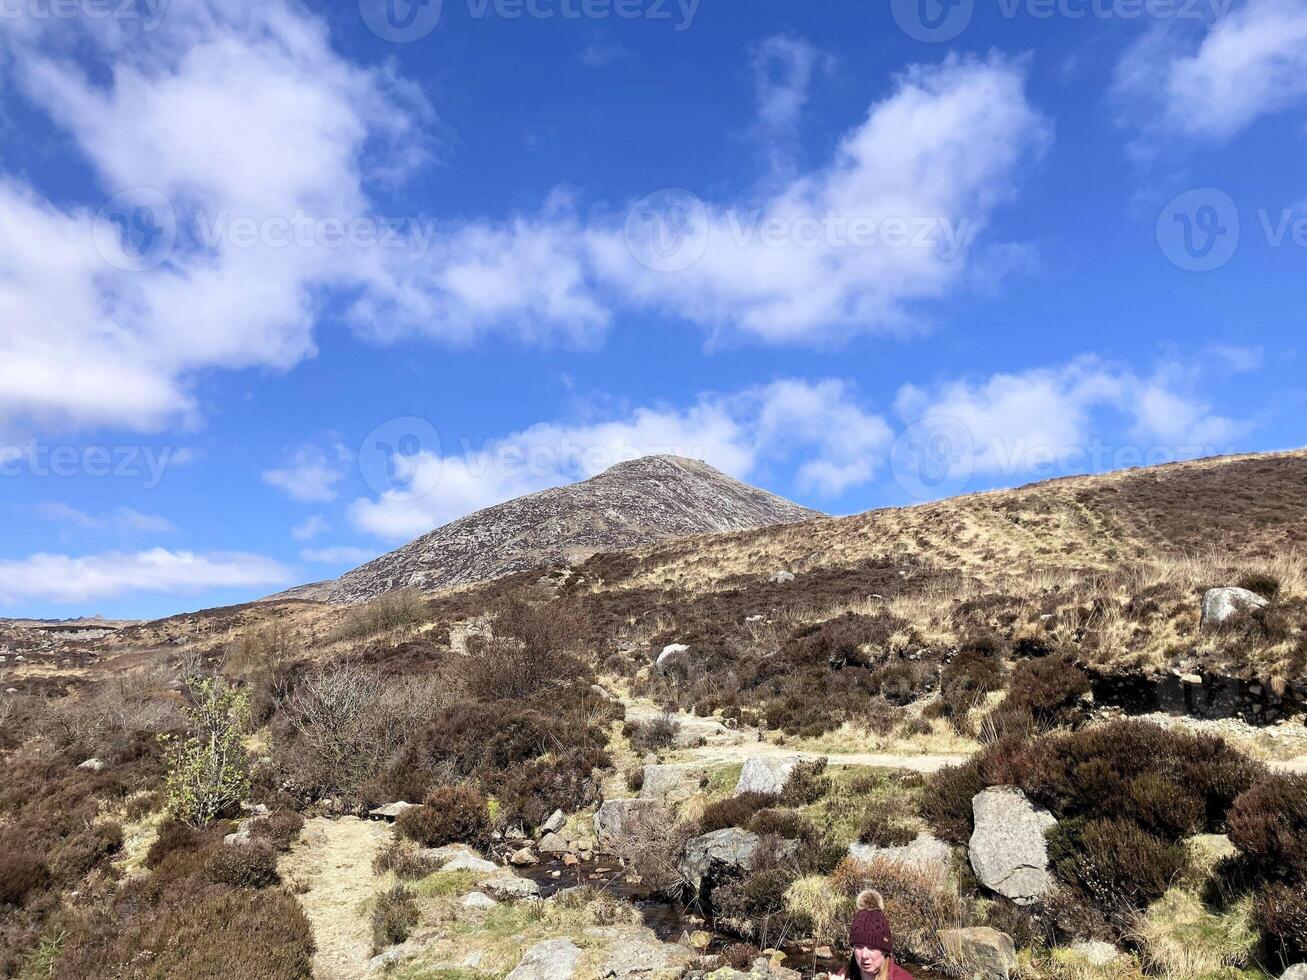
(669, 920)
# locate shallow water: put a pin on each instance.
(668, 920)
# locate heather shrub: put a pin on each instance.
(734, 811)
(807, 783)
(1264, 584)
(1120, 866)
(279, 829)
(531, 792)
(177, 835)
(946, 801)
(394, 914)
(208, 933)
(404, 860)
(20, 876)
(882, 829)
(1044, 694)
(1281, 914)
(251, 865)
(391, 611)
(1269, 824)
(449, 815)
(965, 681)
(652, 735)
(785, 824)
(74, 856)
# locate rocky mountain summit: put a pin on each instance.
(633, 503)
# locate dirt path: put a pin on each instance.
(727, 754)
(334, 859)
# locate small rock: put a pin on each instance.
(384, 961)
(555, 823)
(824, 953)
(1096, 953)
(93, 765)
(553, 845)
(1298, 972)
(391, 811)
(1220, 604)
(989, 953)
(478, 900)
(470, 862)
(571, 860)
(670, 651)
(509, 887)
(700, 940)
(525, 858)
(554, 959)
(766, 775)
(781, 578)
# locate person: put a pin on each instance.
(873, 943)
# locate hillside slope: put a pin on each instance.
(633, 503)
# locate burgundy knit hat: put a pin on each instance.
(871, 929)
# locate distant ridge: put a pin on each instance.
(639, 502)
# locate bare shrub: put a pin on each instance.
(530, 653)
(404, 859)
(20, 876)
(279, 829)
(343, 722)
(388, 612)
(652, 846)
(654, 734)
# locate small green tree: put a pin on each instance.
(209, 770)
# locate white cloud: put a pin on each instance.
(890, 221)
(123, 519)
(91, 578)
(1032, 421)
(820, 428)
(783, 67)
(310, 528)
(337, 556)
(311, 475)
(1251, 64)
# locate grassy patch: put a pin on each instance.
(1184, 939)
(448, 884)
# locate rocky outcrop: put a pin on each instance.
(717, 855)
(470, 862)
(508, 887)
(630, 504)
(761, 775)
(639, 953)
(478, 900)
(668, 784)
(1008, 851)
(390, 811)
(1221, 604)
(927, 853)
(988, 953)
(554, 959)
(1095, 953)
(617, 817)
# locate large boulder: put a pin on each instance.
(1298, 972)
(669, 653)
(761, 775)
(987, 953)
(554, 959)
(614, 818)
(470, 862)
(927, 853)
(1220, 604)
(555, 823)
(717, 855)
(639, 953)
(667, 784)
(390, 811)
(1008, 851)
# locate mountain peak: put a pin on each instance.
(632, 503)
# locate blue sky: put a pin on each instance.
(283, 287)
